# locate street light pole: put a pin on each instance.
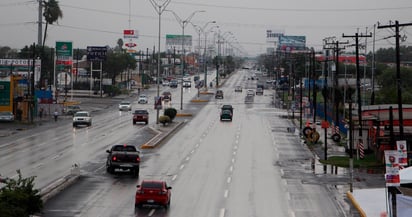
(183, 23)
(159, 9)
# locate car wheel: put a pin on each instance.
(139, 205)
(136, 172)
(74, 125)
(134, 122)
(168, 204)
(146, 122)
(110, 169)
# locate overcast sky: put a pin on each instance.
(101, 22)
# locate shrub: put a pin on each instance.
(20, 198)
(164, 119)
(171, 112)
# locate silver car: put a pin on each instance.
(6, 116)
(142, 99)
(125, 106)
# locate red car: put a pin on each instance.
(153, 192)
(141, 115)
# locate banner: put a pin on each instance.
(392, 176)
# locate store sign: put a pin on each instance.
(95, 53)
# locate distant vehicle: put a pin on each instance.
(141, 115)
(82, 118)
(142, 99)
(124, 157)
(226, 113)
(153, 192)
(125, 106)
(250, 93)
(71, 109)
(196, 78)
(260, 85)
(165, 83)
(219, 94)
(166, 95)
(173, 83)
(259, 91)
(187, 84)
(6, 116)
(238, 89)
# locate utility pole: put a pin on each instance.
(357, 36)
(40, 24)
(335, 47)
(398, 71)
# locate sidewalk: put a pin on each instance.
(368, 195)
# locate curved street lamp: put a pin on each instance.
(159, 9)
(183, 24)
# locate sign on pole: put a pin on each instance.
(95, 53)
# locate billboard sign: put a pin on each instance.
(64, 49)
(130, 33)
(287, 42)
(272, 36)
(176, 40)
(95, 53)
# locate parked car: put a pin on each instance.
(219, 94)
(142, 99)
(6, 116)
(71, 109)
(259, 91)
(141, 115)
(153, 192)
(125, 106)
(123, 157)
(82, 118)
(238, 89)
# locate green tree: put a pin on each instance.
(51, 14)
(118, 62)
(388, 91)
(19, 198)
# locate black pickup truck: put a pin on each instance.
(124, 157)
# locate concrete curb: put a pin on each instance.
(184, 115)
(199, 100)
(152, 143)
(356, 204)
(59, 185)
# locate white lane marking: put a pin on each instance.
(222, 212)
(182, 166)
(193, 151)
(187, 158)
(231, 168)
(234, 153)
(174, 177)
(233, 160)
(38, 165)
(235, 147)
(151, 212)
(226, 194)
(229, 179)
(282, 172)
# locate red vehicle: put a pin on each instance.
(141, 115)
(153, 192)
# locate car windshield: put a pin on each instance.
(125, 103)
(127, 148)
(140, 112)
(81, 114)
(5, 113)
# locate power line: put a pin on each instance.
(295, 9)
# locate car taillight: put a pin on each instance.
(137, 159)
(163, 192)
(114, 158)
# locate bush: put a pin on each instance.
(19, 198)
(171, 112)
(164, 119)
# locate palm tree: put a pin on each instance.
(51, 14)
